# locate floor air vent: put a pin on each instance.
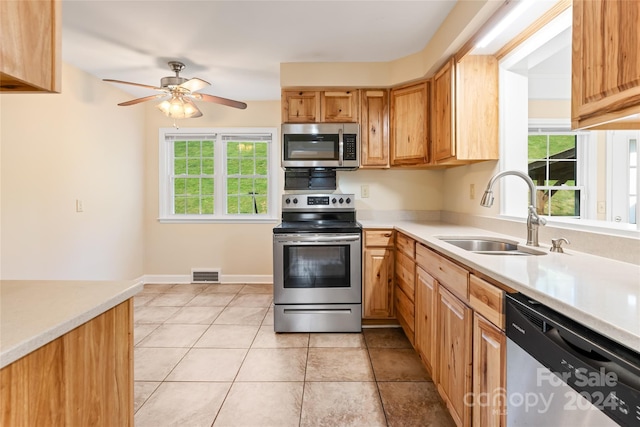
(200, 275)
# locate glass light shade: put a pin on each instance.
(179, 107)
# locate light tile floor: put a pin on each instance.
(206, 355)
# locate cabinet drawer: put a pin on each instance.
(452, 276)
(378, 237)
(405, 274)
(406, 245)
(487, 300)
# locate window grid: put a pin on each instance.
(193, 179)
(247, 177)
(553, 166)
(218, 175)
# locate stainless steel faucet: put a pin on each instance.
(533, 220)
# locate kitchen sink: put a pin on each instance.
(490, 246)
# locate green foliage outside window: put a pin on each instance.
(247, 169)
(193, 169)
(552, 161)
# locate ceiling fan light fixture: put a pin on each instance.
(179, 107)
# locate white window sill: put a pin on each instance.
(219, 220)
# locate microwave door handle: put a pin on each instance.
(340, 147)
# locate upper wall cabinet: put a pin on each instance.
(606, 61)
(313, 106)
(30, 46)
(374, 128)
(339, 106)
(409, 125)
(464, 105)
(300, 106)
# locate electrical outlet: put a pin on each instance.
(472, 191)
(79, 206)
(364, 191)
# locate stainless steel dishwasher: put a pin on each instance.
(560, 373)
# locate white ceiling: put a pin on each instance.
(238, 46)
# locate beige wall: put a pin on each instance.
(394, 189)
(56, 148)
(174, 249)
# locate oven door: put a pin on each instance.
(317, 268)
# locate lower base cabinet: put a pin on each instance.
(454, 355)
(489, 359)
(83, 378)
(426, 320)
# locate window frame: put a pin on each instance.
(220, 215)
(551, 128)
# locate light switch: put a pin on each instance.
(79, 206)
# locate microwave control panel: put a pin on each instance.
(350, 146)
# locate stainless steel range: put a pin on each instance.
(317, 265)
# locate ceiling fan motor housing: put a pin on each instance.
(172, 81)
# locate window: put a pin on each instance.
(211, 175)
(553, 167)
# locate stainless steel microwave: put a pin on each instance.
(321, 145)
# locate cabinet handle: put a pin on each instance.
(387, 235)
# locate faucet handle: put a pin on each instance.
(556, 244)
(536, 219)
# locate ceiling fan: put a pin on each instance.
(179, 93)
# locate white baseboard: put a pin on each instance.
(225, 278)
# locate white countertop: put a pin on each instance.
(600, 293)
(35, 312)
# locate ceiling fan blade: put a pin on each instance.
(195, 84)
(131, 83)
(219, 100)
(139, 100)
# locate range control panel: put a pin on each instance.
(311, 202)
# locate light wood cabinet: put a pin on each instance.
(378, 274)
(605, 83)
(83, 378)
(409, 125)
(426, 319)
(454, 355)
(405, 284)
(374, 128)
(301, 106)
(489, 374)
(464, 106)
(339, 106)
(314, 106)
(486, 299)
(30, 50)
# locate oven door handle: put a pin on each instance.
(301, 238)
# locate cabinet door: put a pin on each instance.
(378, 283)
(409, 130)
(476, 108)
(442, 113)
(374, 128)
(339, 106)
(489, 373)
(300, 106)
(426, 319)
(454, 355)
(605, 62)
(30, 48)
